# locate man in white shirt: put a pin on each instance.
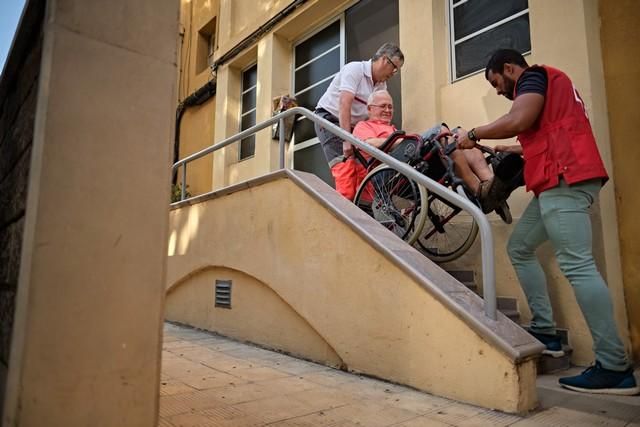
(345, 104)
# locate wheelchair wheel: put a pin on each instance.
(393, 200)
(448, 234)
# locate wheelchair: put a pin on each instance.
(436, 227)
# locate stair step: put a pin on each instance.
(548, 364)
(509, 307)
(514, 315)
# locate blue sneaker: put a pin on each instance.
(552, 342)
(597, 379)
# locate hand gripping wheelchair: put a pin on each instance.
(433, 225)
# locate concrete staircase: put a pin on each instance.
(509, 307)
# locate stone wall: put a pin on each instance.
(18, 95)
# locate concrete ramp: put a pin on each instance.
(298, 268)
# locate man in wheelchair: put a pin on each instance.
(470, 166)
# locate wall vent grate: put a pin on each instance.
(223, 293)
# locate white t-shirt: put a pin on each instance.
(355, 77)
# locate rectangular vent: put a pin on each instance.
(223, 293)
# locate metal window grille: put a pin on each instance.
(223, 294)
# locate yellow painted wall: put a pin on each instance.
(620, 49)
(258, 314)
(372, 314)
(198, 122)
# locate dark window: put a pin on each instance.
(369, 24)
(480, 27)
(248, 111)
(317, 60)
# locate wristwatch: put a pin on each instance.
(472, 135)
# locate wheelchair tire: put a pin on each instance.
(395, 201)
(448, 234)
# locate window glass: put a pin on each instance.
(317, 60)
(248, 110)
(480, 27)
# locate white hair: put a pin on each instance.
(376, 93)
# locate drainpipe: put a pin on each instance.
(207, 90)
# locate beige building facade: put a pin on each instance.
(590, 40)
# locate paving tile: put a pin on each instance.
(365, 388)
(323, 398)
(188, 403)
(490, 418)
(192, 420)
(259, 373)
(370, 414)
(178, 343)
(163, 422)
(414, 401)
(316, 419)
(289, 385)
(195, 354)
(455, 413)
(299, 367)
(227, 364)
(173, 386)
(330, 377)
(230, 416)
(276, 408)
(563, 417)
(425, 422)
(234, 394)
(218, 379)
(185, 368)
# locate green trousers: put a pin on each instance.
(561, 215)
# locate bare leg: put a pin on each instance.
(478, 164)
(463, 170)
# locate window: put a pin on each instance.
(206, 46)
(317, 60)
(479, 27)
(248, 110)
(353, 36)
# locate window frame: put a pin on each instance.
(452, 4)
(241, 114)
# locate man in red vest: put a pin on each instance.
(564, 171)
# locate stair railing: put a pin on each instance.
(460, 200)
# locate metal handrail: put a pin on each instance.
(460, 200)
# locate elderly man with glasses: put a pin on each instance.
(345, 104)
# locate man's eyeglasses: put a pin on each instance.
(395, 67)
(383, 106)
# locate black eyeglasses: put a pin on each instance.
(383, 106)
(395, 67)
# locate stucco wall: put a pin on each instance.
(376, 318)
(257, 314)
(87, 331)
(620, 48)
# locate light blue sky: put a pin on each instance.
(10, 11)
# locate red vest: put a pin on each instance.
(561, 142)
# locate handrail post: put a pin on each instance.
(183, 190)
(281, 135)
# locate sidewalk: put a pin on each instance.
(208, 380)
